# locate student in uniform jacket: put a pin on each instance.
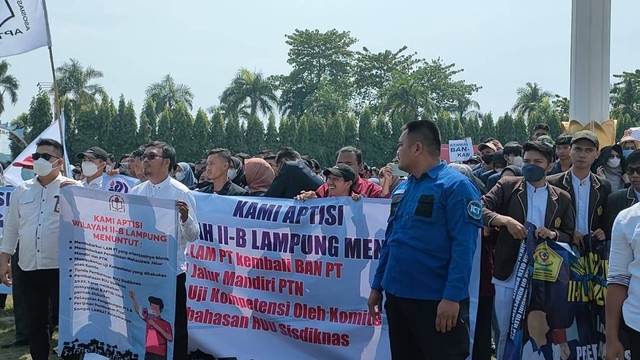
(293, 176)
(589, 214)
(512, 203)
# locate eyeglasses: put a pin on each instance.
(36, 156)
(633, 169)
(151, 156)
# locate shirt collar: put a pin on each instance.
(575, 180)
(531, 189)
(37, 182)
(434, 171)
(162, 185)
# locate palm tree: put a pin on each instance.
(467, 109)
(8, 85)
(74, 81)
(529, 99)
(407, 98)
(167, 94)
(252, 90)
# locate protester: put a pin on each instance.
(486, 153)
(624, 198)
(427, 287)
(293, 176)
(341, 181)
(158, 158)
(353, 157)
(539, 130)
(94, 162)
(512, 155)
(220, 173)
(33, 219)
(610, 165)
(563, 154)
(628, 144)
(259, 176)
(138, 164)
(184, 174)
(236, 171)
(511, 204)
(588, 191)
(498, 163)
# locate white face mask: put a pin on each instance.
(89, 168)
(42, 167)
(232, 173)
(180, 175)
(27, 174)
(517, 161)
(108, 168)
(613, 162)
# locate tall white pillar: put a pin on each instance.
(590, 68)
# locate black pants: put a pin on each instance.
(482, 334)
(413, 335)
(181, 336)
(633, 338)
(41, 287)
(20, 309)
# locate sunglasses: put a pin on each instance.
(36, 156)
(633, 169)
(151, 156)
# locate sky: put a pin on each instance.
(500, 44)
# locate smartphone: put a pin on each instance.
(395, 171)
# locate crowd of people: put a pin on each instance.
(567, 187)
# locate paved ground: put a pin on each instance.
(7, 336)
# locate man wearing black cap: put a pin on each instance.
(94, 161)
(588, 191)
(158, 331)
(341, 180)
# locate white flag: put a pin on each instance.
(23, 26)
(12, 175)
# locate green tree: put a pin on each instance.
(287, 131)
(302, 135)
(16, 146)
(505, 129)
(124, 128)
(386, 142)
(487, 128)
(86, 129)
(530, 98)
(217, 131)
(165, 126)
(201, 141)
(75, 82)
(144, 130)
(315, 56)
(334, 140)
(520, 133)
(149, 110)
(167, 94)
(250, 89)
(472, 129)
(317, 136)
(9, 85)
(350, 130)
(366, 139)
(625, 97)
(182, 126)
(102, 126)
(271, 140)
(234, 139)
(254, 136)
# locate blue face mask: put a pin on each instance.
(626, 153)
(27, 174)
(533, 173)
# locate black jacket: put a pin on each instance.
(616, 202)
(294, 177)
(229, 188)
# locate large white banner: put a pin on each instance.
(23, 26)
(117, 274)
(275, 278)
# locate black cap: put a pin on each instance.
(95, 152)
(586, 135)
(156, 301)
(474, 159)
(341, 170)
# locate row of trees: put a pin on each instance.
(333, 96)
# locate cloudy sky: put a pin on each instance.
(500, 44)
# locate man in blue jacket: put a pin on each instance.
(425, 262)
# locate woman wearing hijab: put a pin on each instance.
(184, 174)
(259, 175)
(611, 166)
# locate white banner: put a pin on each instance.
(23, 26)
(118, 183)
(460, 150)
(275, 278)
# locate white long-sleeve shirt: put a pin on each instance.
(624, 261)
(34, 220)
(175, 190)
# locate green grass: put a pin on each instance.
(7, 332)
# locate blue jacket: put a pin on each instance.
(431, 237)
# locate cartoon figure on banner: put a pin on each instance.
(116, 204)
(158, 331)
(118, 186)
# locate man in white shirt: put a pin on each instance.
(94, 161)
(34, 220)
(623, 294)
(157, 159)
